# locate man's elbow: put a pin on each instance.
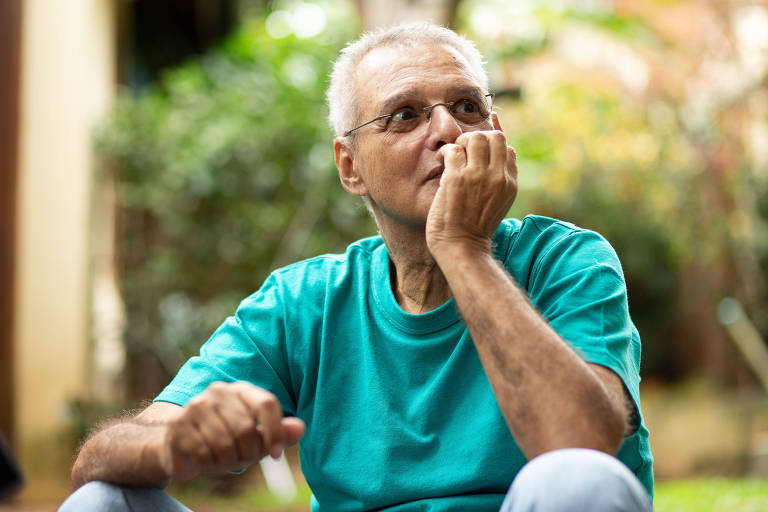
(78, 473)
(606, 432)
(615, 428)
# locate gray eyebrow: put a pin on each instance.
(392, 101)
(395, 100)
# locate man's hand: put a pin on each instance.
(477, 188)
(549, 396)
(225, 428)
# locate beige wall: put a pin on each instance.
(67, 83)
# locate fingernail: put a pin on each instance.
(277, 450)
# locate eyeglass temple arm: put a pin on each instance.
(348, 132)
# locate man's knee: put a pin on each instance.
(576, 479)
(97, 496)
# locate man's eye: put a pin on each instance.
(469, 111)
(466, 107)
(403, 115)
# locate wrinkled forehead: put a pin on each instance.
(395, 69)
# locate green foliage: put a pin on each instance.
(595, 160)
(712, 495)
(697, 495)
(620, 127)
(225, 170)
(236, 493)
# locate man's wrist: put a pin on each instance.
(458, 255)
(155, 453)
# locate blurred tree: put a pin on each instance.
(225, 171)
(647, 122)
(374, 14)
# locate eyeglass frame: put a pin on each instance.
(428, 110)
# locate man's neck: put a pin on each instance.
(417, 281)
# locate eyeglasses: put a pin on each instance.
(466, 111)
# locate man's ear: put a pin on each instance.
(345, 163)
(495, 121)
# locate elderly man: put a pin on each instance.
(456, 362)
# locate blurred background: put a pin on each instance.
(159, 158)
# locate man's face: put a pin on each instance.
(400, 172)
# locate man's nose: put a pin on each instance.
(443, 127)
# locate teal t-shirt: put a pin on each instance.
(400, 414)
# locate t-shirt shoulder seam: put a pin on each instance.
(289, 388)
(570, 231)
(536, 219)
(293, 393)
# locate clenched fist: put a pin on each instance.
(225, 428)
(477, 188)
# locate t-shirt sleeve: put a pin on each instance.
(249, 346)
(578, 286)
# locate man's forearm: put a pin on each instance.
(126, 452)
(550, 397)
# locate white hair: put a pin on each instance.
(342, 96)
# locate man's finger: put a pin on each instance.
(217, 437)
(478, 150)
(454, 157)
(188, 454)
(264, 407)
(247, 439)
(294, 429)
(498, 144)
(511, 162)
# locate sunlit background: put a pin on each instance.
(159, 158)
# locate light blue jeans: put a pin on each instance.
(573, 479)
